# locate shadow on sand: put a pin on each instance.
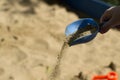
(68, 8)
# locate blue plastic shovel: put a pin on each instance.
(78, 26)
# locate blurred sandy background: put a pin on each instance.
(31, 36)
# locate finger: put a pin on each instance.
(117, 27)
(107, 26)
(106, 16)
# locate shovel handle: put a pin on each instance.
(101, 25)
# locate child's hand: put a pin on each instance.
(112, 16)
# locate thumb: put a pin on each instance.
(106, 26)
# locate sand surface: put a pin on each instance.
(31, 36)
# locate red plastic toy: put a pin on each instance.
(109, 76)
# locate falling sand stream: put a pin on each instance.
(88, 30)
(56, 71)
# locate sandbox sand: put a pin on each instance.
(31, 37)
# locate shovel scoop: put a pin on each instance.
(81, 31)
